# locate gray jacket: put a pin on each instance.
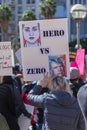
(82, 100)
(61, 111)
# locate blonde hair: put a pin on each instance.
(60, 83)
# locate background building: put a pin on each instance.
(17, 8)
(63, 10)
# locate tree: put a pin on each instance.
(28, 15)
(47, 8)
(83, 43)
(5, 15)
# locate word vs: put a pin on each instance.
(44, 50)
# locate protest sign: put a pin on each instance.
(12, 54)
(80, 60)
(5, 58)
(44, 47)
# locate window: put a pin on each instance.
(80, 1)
(0, 1)
(13, 18)
(71, 2)
(19, 9)
(60, 11)
(33, 9)
(12, 28)
(19, 18)
(84, 2)
(12, 38)
(19, 1)
(83, 27)
(13, 9)
(12, 1)
(28, 1)
(33, 1)
(76, 2)
(73, 27)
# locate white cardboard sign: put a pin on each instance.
(5, 58)
(44, 48)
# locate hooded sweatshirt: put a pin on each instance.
(61, 110)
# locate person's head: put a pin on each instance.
(60, 83)
(56, 66)
(74, 74)
(16, 69)
(31, 32)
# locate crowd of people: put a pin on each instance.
(59, 103)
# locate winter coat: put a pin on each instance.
(82, 100)
(19, 105)
(75, 87)
(61, 111)
(7, 106)
(3, 123)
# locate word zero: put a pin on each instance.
(35, 70)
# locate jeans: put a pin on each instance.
(38, 126)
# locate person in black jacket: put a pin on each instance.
(7, 106)
(20, 108)
(17, 75)
(3, 123)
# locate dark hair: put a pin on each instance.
(16, 69)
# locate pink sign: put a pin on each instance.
(80, 60)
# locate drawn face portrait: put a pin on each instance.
(31, 32)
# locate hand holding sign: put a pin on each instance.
(45, 81)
